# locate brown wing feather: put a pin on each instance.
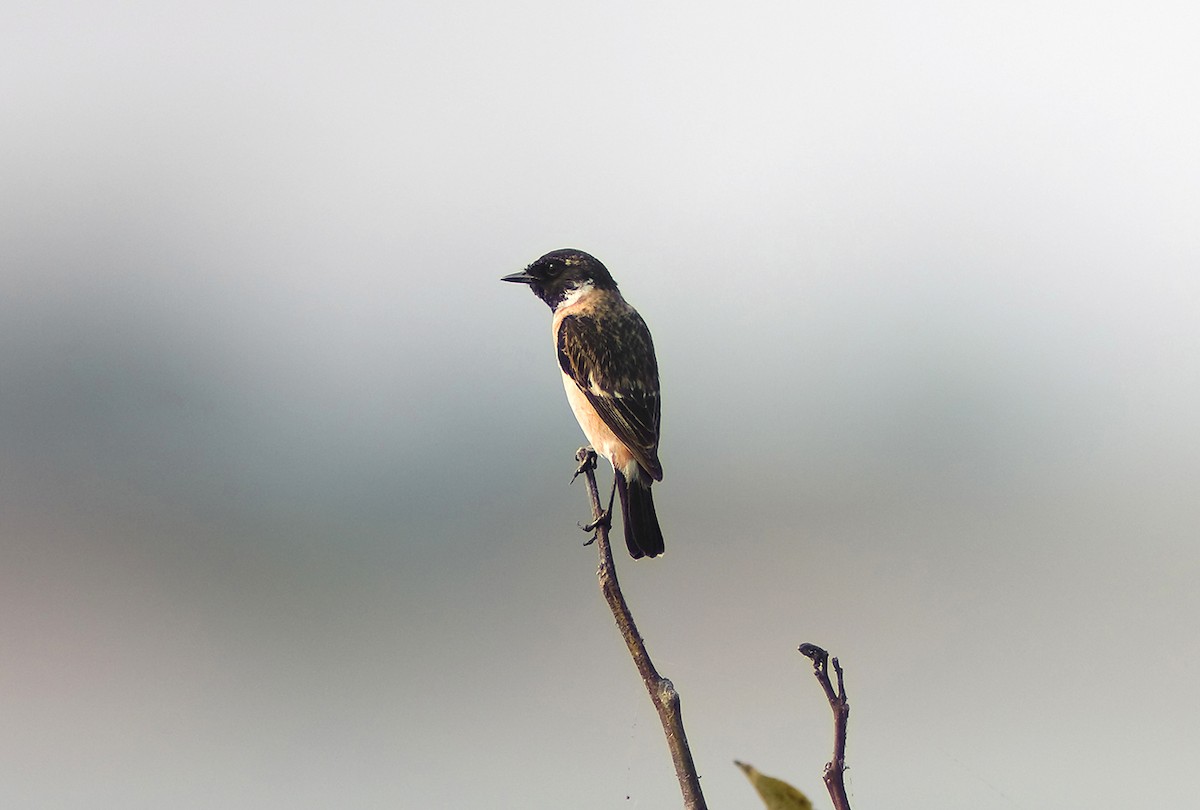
(611, 359)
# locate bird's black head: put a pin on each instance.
(560, 273)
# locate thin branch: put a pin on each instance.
(834, 769)
(662, 691)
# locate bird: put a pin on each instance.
(610, 374)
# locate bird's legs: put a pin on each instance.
(587, 461)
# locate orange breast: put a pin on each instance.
(603, 440)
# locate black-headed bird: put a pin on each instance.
(611, 378)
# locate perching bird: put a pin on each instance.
(611, 378)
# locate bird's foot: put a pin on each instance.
(604, 520)
(586, 457)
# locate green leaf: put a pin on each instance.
(776, 793)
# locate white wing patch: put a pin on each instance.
(596, 390)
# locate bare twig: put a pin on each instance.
(834, 769)
(662, 691)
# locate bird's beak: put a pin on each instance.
(520, 278)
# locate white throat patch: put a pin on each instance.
(574, 295)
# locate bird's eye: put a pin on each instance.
(553, 268)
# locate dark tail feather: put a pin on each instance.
(642, 533)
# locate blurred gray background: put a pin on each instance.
(284, 515)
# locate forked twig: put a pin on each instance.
(835, 769)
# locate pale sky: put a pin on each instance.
(284, 514)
